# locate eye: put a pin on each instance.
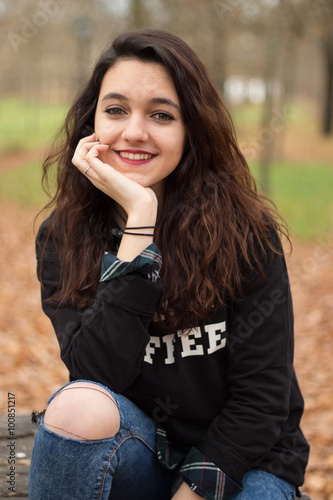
(163, 117)
(115, 111)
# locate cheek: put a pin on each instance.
(179, 141)
(105, 131)
(173, 145)
(179, 149)
(109, 157)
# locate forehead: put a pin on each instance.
(138, 79)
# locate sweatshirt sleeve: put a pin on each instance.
(106, 341)
(260, 371)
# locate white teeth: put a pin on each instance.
(136, 156)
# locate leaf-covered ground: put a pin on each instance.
(31, 368)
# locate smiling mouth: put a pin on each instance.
(135, 156)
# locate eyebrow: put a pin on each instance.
(164, 100)
(154, 100)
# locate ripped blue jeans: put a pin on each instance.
(124, 467)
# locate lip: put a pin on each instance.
(135, 151)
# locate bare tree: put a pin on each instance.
(138, 14)
(325, 18)
(319, 23)
(281, 65)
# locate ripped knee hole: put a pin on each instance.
(83, 414)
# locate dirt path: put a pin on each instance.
(30, 366)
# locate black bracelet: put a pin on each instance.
(141, 227)
(138, 234)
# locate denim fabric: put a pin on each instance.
(68, 469)
(260, 485)
(124, 467)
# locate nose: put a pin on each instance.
(135, 129)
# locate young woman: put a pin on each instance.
(182, 382)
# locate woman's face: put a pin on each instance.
(138, 116)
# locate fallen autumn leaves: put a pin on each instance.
(31, 368)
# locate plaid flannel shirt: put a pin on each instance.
(201, 475)
(148, 264)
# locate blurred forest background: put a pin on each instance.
(272, 61)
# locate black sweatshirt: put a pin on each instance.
(228, 388)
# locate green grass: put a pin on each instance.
(23, 186)
(303, 196)
(28, 125)
(248, 114)
(301, 191)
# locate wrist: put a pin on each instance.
(137, 230)
(185, 493)
(135, 240)
(145, 217)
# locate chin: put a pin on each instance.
(144, 182)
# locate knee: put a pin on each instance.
(84, 411)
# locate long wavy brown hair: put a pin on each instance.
(213, 224)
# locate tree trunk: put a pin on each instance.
(266, 137)
(272, 122)
(327, 124)
(138, 15)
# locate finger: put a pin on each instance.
(81, 151)
(85, 148)
(85, 140)
(95, 149)
(91, 159)
(88, 138)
